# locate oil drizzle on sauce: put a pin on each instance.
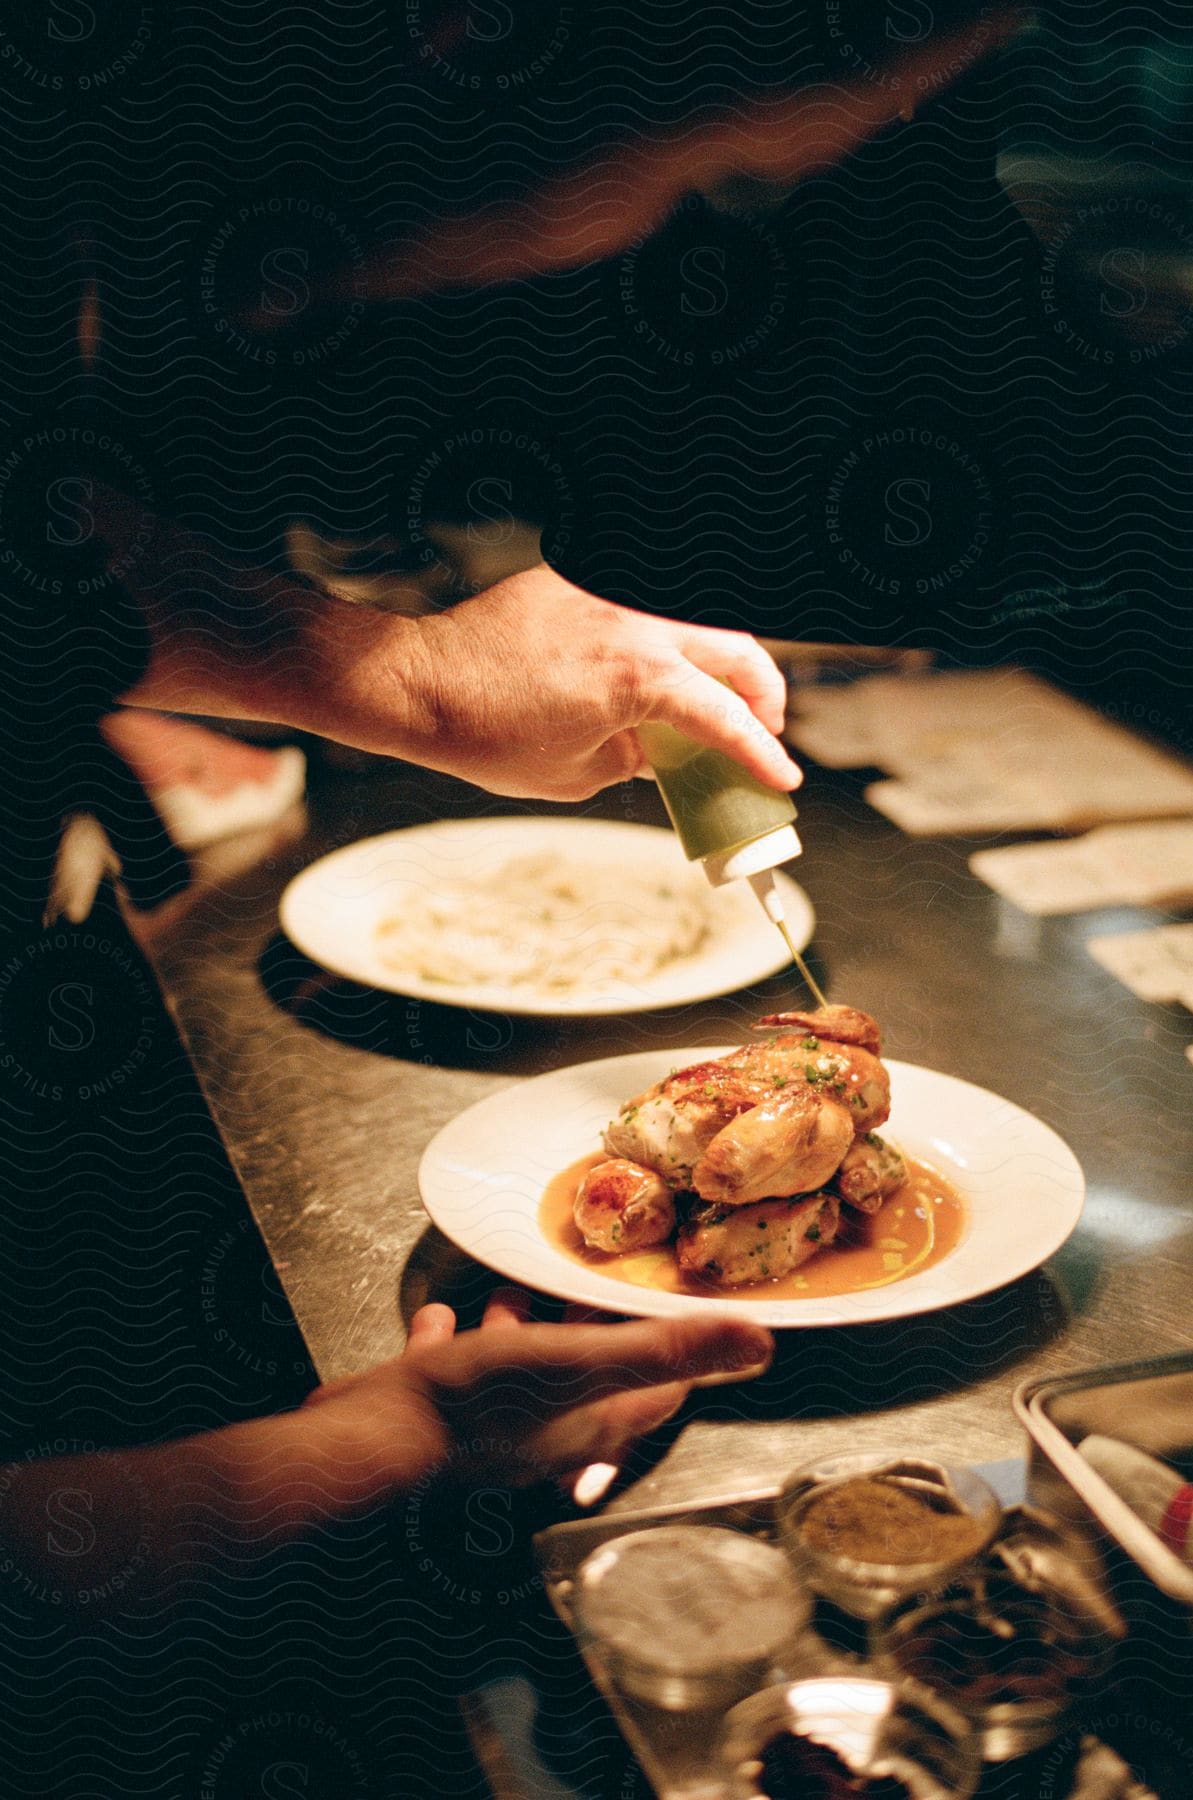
(916, 1227)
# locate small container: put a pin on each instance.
(907, 1560)
(1019, 1646)
(725, 819)
(688, 1616)
(890, 1740)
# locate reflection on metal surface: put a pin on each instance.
(1129, 1223)
(1017, 935)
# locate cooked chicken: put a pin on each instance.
(790, 1143)
(824, 1048)
(621, 1206)
(668, 1127)
(672, 1127)
(733, 1245)
(842, 1024)
(870, 1173)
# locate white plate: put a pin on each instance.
(332, 911)
(482, 1179)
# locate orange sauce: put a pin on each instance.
(917, 1226)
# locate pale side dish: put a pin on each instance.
(551, 924)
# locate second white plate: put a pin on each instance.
(333, 909)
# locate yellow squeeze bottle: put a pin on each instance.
(736, 828)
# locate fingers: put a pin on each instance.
(507, 1306)
(736, 657)
(544, 1369)
(619, 758)
(575, 1313)
(512, 1306)
(590, 1484)
(707, 711)
(632, 756)
(433, 1324)
(600, 1435)
(629, 1416)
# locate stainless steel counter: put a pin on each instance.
(326, 1096)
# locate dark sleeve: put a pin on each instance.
(911, 454)
(794, 425)
(71, 641)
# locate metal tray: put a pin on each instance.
(1063, 1482)
(677, 1751)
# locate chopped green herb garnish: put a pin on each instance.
(811, 1043)
(780, 1081)
(812, 1072)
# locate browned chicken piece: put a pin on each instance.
(621, 1206)
(734, 1245)
(870, 1173)
(671, 1127)
(790, 1143)
(838, 1071)
(840, 1024)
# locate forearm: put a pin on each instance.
(276, 652)
(534, 688)
(115, 1530)
(234, 641)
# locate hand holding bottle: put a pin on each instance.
(539, 688)
(534, 688)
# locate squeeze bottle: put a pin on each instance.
(726, 820)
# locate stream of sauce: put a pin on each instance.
(916, 1227)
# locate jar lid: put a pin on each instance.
(689, 1600)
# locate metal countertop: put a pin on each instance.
(326, 1096)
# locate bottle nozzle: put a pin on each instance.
(771, 900)
(769, 896)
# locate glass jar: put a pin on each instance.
(901, 1740)
(905, 1561)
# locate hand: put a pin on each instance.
(534, 688)
(513, 1402)
(519, 1402)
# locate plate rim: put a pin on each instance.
(818, 1312)
(800, 911)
